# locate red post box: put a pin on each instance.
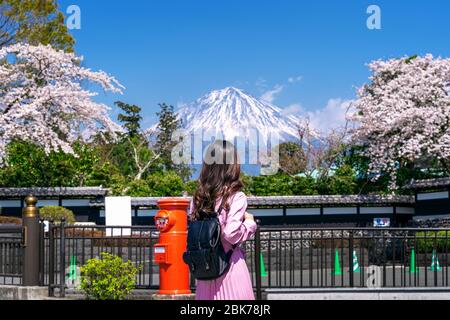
(171, 221)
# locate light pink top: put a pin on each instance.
(236, 284)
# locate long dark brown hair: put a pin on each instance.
(219, 178)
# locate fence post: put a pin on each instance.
(258, 261)
(30, 223)
(62, 263)
(41, 252)
(51, 259)
(350, 258)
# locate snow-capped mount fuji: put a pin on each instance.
(235, 113)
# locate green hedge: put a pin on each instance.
(427, 241)
(164, 184)
(108, 278)
(56, 213)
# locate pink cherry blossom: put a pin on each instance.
(46, 97)
(404, 114)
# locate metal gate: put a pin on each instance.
(11, 255)
(68, 247)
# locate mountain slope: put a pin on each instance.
(237, 114)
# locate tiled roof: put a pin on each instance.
(330, 199)
(49, 192)
(428, 183)
(295, 200)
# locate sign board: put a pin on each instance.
(382, 222)
(46, 225)
(118, 214)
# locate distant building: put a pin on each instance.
(76, 199)
(345, 210)
(431, 200)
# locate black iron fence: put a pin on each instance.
(69, 247)
(351, 257)
(282, 257)
(11, 255)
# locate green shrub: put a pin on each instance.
(166, 184)
(343, 181)
(427, 241)
(56, 214)
(190, 187)
(138, 188)
(304, 186)
(108, 278)
(274, 185)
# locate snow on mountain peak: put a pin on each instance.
(235, 113)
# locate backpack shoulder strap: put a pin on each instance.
(234, 245)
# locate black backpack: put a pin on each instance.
(205, 254)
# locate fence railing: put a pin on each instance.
(11, 255)
(282, 257)
(69, 247)
(351, 257)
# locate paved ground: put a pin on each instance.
(390, 277)
(398, 277)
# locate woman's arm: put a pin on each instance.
(237, 229)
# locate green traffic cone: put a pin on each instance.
(73, 268)
(356, 268)
(412, 266)
(337, 265)
(435, 266)
(263, 269)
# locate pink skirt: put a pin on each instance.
(235, 284)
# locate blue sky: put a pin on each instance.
(309, 54)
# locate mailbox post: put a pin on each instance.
(171, 221)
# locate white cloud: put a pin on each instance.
(295, 79)
(261, 83)
(292, 109)
(270, 95)
(333, 116)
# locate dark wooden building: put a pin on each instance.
(432, 198)
(76, 199)
(345, 210)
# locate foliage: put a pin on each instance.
(29, 166)
(108, 278)
(34, 22)
(137, 188)
(131, 118)
(304, 186)
(118, 184)
(343, 181)
(56, 214)
(44, 100)
(10, 220)
(168, 123)
(427, 241)
(292, 158)
(320, 152)
(160, 184)
(190, 187)
(404, 116)
(132, 156)
(272, 185)
(165, 184)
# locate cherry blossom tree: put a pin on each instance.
(46, 97)
(403, 115)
